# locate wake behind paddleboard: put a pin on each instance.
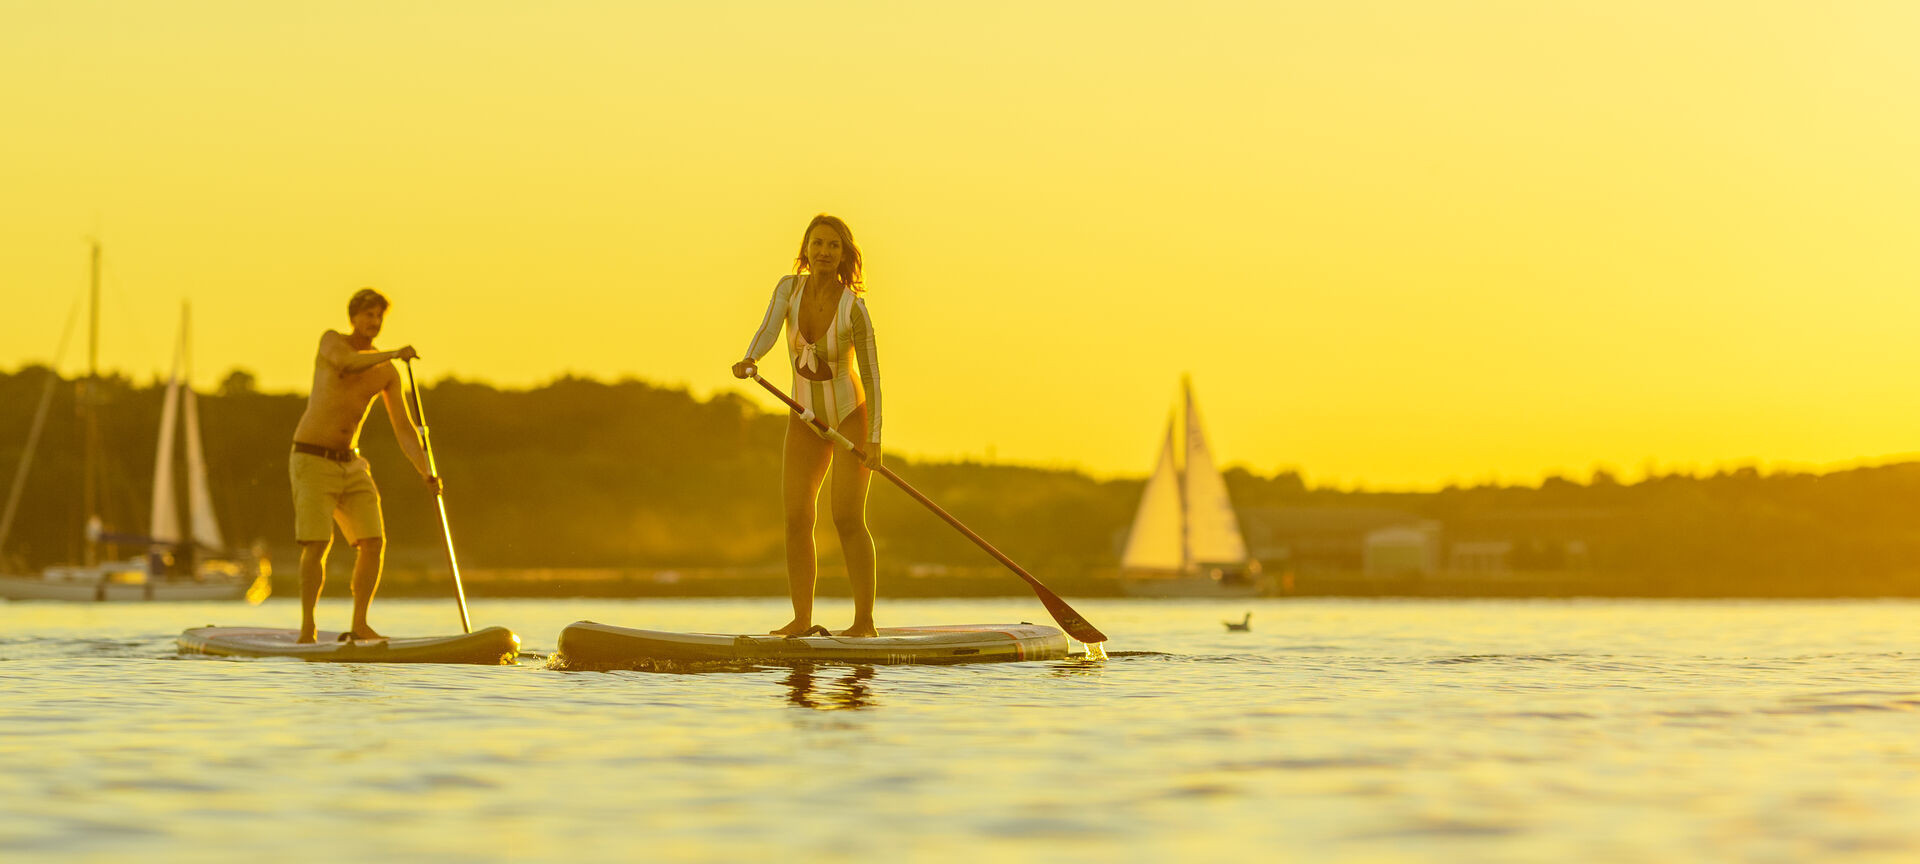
(588, 645)
(490, 646)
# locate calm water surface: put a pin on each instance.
(1333, 731)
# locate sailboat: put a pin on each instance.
(1185, 540)
(172, 564)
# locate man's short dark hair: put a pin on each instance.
(364, 299)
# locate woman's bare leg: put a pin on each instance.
(849, 503)
(803, 467)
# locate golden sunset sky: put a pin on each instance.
(1397, 244)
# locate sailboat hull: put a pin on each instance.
(1190, 586)
(13, 588)
(105, 588)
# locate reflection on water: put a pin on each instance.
(1340, 731)
(1080, 665)
(844, 689)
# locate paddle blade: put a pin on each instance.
(1069, 620)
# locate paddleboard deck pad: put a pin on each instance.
(588, 645)
(491, 646)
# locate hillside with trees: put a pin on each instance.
(626, 475)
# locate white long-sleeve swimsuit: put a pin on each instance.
(849, 338)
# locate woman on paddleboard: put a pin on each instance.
(829, 333)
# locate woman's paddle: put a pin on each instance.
(1070, 621)
(426, 444)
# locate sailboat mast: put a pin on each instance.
(204, 527)
(90, 423)
(93, 316)
(1186, 441)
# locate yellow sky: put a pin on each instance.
(1397, 244)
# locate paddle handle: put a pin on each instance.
(1076, 626)
(433, 470)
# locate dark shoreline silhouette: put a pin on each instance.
(551, 489)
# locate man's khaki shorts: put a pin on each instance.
(325, 492)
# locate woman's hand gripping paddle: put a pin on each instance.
(433, 472)
(1070, 621)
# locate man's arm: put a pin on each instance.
(395, 395)
(337, 352)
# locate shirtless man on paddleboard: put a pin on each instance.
(331, 481)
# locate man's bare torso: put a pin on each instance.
(337, 406)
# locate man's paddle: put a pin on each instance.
(1070, 621)
(426, 445)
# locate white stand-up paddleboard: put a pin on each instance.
(490, 646)
(585, 644)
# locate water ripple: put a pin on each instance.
(1339, 731)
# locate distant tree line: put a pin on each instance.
(576, 473)
(585, 473)
(1734, 532)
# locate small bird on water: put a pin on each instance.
(1245, 623)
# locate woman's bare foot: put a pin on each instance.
(364, 632)
(796, 627)
(859, 629)
(309, 635)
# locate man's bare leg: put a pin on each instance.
(367, 558)
(313, 575)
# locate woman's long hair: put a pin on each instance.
(849, 270)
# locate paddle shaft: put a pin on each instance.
(433, 470)
(1076, 626)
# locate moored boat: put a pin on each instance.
(1186, 540)
(172, 562)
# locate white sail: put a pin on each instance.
(206, 529)
(1154, 543)
(1213, 531)
(166, 509)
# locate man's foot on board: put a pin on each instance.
(364, 633)
(308, 635)
(793, 628)
(859, 631)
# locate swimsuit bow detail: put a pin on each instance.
(807, 357)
